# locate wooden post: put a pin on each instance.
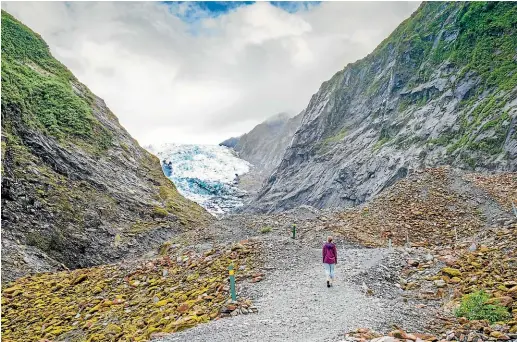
(231, 272)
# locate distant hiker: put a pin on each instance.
(329, 260)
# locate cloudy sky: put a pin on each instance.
(195, 72)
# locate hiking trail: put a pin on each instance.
(295, 305)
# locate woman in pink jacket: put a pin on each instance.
(329, 259)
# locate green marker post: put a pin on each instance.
(231, 271)
(294, 231)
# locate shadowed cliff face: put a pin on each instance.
(77, 189)
(441, 89)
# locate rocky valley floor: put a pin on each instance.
(180, 292)
(294, 303)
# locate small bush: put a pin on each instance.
(265, 230)
(475, 306)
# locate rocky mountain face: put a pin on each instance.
(265, 145)
(440, 90)
(77, 189)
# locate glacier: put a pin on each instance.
(206, 174)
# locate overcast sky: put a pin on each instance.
(200, 73)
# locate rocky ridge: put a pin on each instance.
(440, 90)
(264, 147)
(265, 144)
(77, 189)
(433, 207)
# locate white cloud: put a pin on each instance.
(172, 81)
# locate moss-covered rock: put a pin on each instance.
(452, 272)
(123, 302)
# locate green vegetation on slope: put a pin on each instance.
(485, 39)
(476, 40)
(487, 42)
(66, 205)
(44, 90)
(477, 305)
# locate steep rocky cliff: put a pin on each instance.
(265, 145)
(77, 189)
(441, 89)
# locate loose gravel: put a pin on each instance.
(295, 305)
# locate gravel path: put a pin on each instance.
(295, 304)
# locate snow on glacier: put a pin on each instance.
(204, 173)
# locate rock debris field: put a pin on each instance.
(294, 303)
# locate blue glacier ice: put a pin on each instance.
(206, 174)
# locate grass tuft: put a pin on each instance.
(478, 306)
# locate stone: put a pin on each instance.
(183, 308)
(452, 272)
(398, 334)
(449, 260)
(413, 262)
(383, 339)
(113, 329)
(411, 337)
(504, 300)
(440, 283)
(499, 335)
(161, 303)
(426, 337)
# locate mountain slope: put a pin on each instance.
(264, 146)
(441, 89)
(77, 189)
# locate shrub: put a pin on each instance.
(265, 230)
(475, 306)
(43, 89)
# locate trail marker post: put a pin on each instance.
(231, 272)
(514, 209)
(293, 230)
